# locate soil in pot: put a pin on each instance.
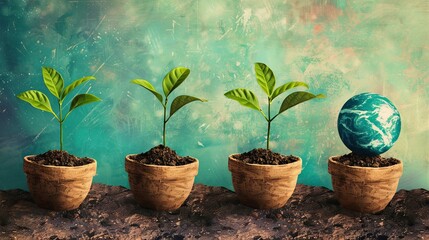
(159, 178)
(265, 156)
(264, 179)
(162, 155)
(60, 158)
(364, 184)
(58, 180)
(354, 159)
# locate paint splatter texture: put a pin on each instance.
(339, 48)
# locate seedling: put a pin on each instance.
(55, 84)
(171, 81)
(266, 79)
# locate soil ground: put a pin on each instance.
(60, 158)
(162, 155)
(110, 212)
(264, 156)
(353, 159)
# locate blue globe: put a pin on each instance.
(369, 124)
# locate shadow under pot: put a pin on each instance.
(364, 189)
(263, 186)
(160, 187)
(58, 188)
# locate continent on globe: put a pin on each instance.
(369, 124)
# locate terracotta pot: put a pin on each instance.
(58, 188)
(263, 186)
(160, 187)
(364, 189)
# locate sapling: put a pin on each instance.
(267, 81)
(171, 81)
(55, 84)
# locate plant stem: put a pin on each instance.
(165, 122)
(61, 125)
(268, 135)
(61, 136)
(269, 124)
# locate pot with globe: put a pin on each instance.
(368, 124)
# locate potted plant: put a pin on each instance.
(58, 180)
(262, 178)
(159, 178)
(363, 180)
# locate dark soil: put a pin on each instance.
(60, 158)
(162, 155)
(110, 212)
(353, 159)
(264, 156)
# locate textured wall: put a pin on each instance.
(340, 48)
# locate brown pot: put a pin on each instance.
(58, 188)
(263, 186)
(364, 189)
(160, 187)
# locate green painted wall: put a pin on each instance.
(341, 48)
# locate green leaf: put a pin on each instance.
(296, 98)
(53, 81)
(37, 99)
(149, 87)
(283, 88)
(74, 84)
(173, 79)
(265, 78)
(181, 101)
(245, 97)
(82, 99)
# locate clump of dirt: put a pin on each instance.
(265, 156)
(354, 159)
(162, 155)
(60, 158)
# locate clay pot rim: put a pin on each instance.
(29, 161)
(288, 165)
(332, 161)
(127, 158)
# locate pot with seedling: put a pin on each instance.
(159, 178)
(58, 180)
(363, 180)
(262, 178)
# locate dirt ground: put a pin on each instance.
(110, 212)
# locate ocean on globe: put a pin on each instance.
(369, 124)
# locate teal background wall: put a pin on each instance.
(341, 48)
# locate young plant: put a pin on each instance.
(55, 84)
(170, 82)
(267, 81)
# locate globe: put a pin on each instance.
(369, 124)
